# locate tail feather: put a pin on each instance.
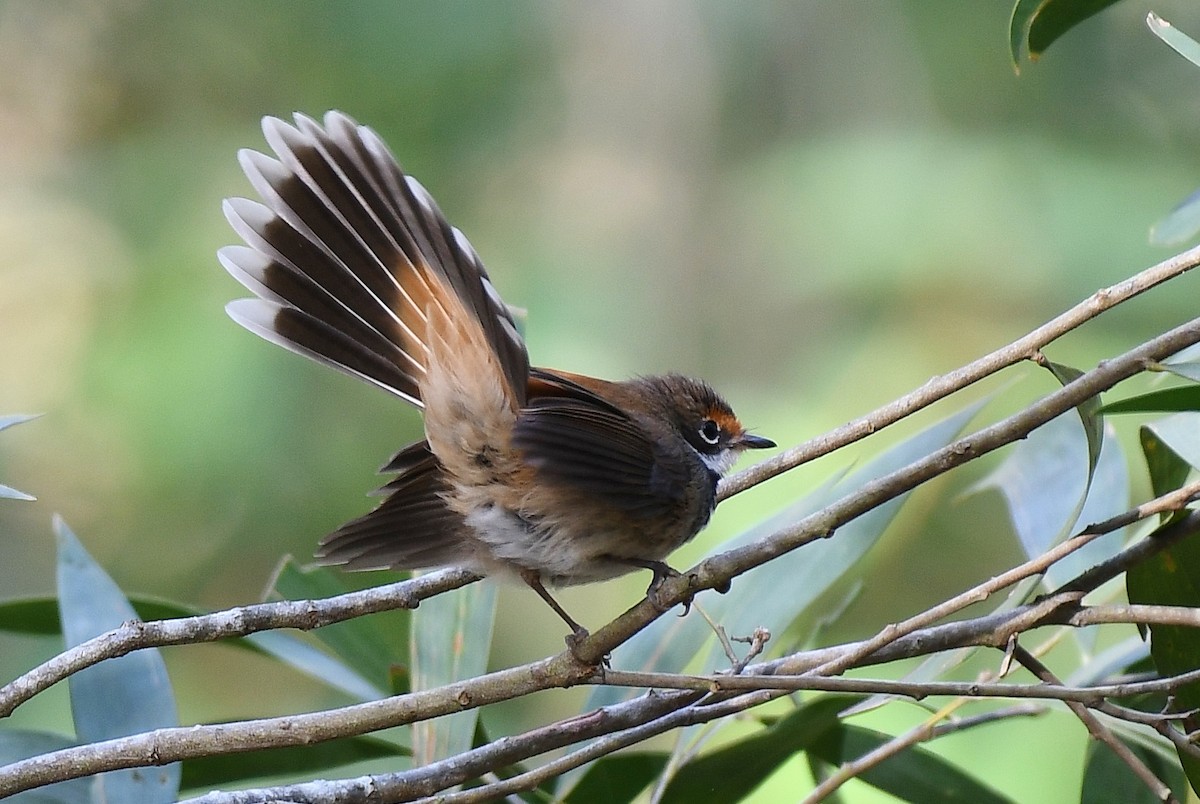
(350, 255)
(310, 235)
(354, 265)
(311, 337)
(412, 529)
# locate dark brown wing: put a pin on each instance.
(579, 440)
(411, 529)
(343, 254)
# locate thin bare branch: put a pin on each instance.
(719, 570)
(894, 746)
(979, 630)
(164, 746)
(1101, 732)
(1171, 501)
(984, 718)
(943, 386)
(304, 615)
(917, 690)
(699, 699)
(1135, 614)
(169, 745)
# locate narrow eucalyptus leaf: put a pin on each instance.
(732, 771)
(914, 775)
(1054, 18)
(1187, 369)
(1088, 410)
(450, 641)
(1176, 39)
(9, 493)
(1164, 400)
(362, 644)
(118, 697)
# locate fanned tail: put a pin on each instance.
(348, 254)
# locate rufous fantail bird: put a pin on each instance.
(555, 477)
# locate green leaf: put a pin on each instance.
(1176, 39)
(18, 744)
(1088, 410)
(616, 778)
(206, 773)
(1181, 433)
(1018, 28)
(1172, 578)
(731, 772)
(1167, 469)
(915, 775)
(8, 492)
(1165, 400)
(450, 641)
(1187, 369)
(1036, 24)
(1050, 493)
(1130, 655)
(670, 643)
(16, 418)
(313, 662)
(118, 697)
(37, 616)
(367, 645)
(1108, 780)
(1107, 496)
(1179, 225)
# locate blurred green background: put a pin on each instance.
(816, 206)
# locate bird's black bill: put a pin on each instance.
(751, 441)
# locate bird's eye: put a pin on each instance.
(710, 431)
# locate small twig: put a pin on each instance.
(1146, 718)
(1171, 501)
(1006, 662)
(1138, 614)
(984, 718)
(894, 746)
(166, 745)
(722, 635)
(758, 641)
(237, 622)
(1099, 730)
(938, 388)
(917, 690)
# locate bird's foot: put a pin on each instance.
(654, 590)
(574, 642)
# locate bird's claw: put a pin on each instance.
(654, 590)
(574, 642)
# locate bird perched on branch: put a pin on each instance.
(555, 477)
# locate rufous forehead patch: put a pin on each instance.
(725, 420)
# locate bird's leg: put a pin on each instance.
(578, 632)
